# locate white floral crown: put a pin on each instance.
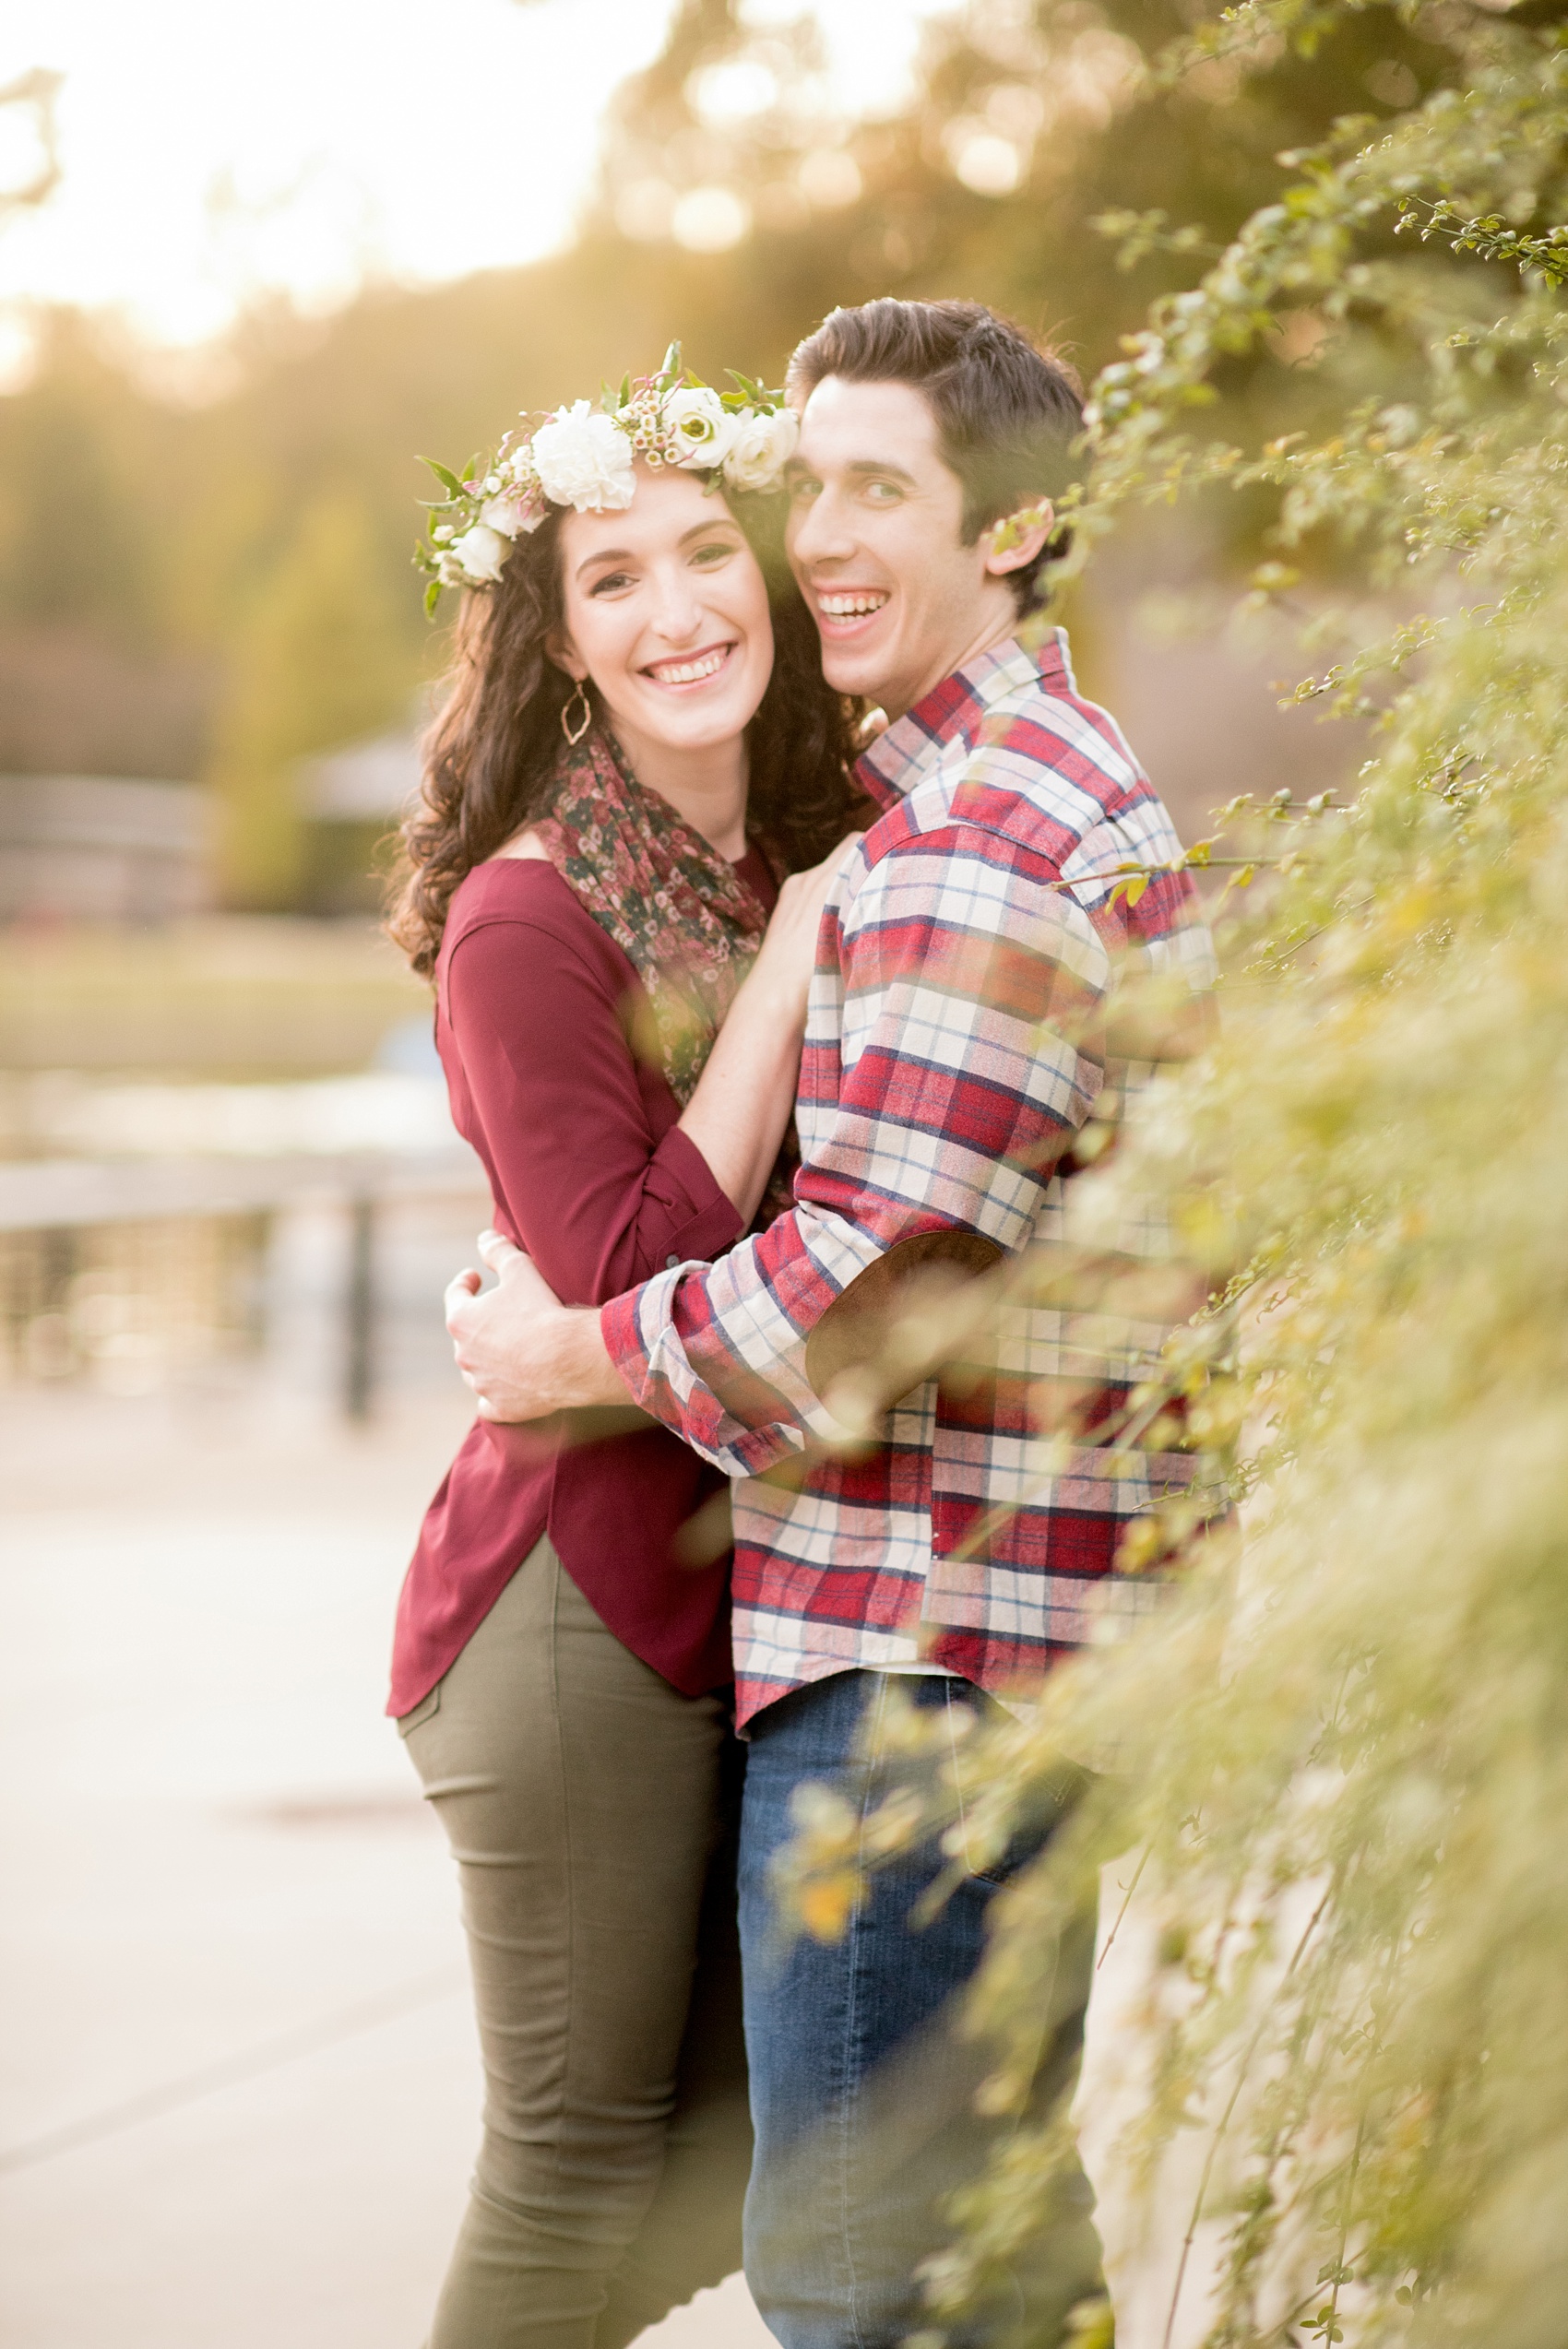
(584, 457)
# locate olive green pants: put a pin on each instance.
(590, 1807)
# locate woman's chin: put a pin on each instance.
(693, 725)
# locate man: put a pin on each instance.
(955, 1050)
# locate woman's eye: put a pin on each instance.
(611, 582)
(720, 552)
(802, 489)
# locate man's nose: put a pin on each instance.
(819, 532)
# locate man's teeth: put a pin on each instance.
(849, 607)
(689, 672)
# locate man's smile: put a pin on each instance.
(840, 609)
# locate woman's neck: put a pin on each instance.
(706, 787)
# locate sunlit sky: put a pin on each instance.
(212, 151)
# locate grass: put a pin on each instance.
(231, 996)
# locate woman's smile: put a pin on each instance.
(687, 670)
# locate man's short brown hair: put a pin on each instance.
(1007, 413)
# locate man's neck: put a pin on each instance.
(706, 787)
(989, 630)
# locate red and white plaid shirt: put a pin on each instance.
(939, 1094)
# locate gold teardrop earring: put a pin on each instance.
(587, 719)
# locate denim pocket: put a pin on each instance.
(1029, 1838)
(1025, 1846)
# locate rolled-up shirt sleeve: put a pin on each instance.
(952, 1055)
(588, 1189)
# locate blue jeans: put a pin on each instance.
(862, 2090)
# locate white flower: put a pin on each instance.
(698, 427)
(514, 511)
(481, 553)
(583, 458)
(762, 445)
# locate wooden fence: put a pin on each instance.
(64, 1194)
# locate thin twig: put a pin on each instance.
(1226, 2117)
(1126, 1904)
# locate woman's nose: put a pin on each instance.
(677, 610)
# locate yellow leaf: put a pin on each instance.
(1141, 1543)
(825, 1905)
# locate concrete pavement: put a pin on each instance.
(241, 2091)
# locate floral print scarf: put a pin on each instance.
(686, 920)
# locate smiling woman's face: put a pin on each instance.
(665, 610)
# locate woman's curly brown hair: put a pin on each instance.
(490, 757)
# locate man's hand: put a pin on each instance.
(519, 1348)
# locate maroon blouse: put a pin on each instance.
(591, 1175)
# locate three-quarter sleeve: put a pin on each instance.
(599, 1198)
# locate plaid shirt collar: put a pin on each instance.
(955, 710)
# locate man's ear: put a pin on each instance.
(1013, 543)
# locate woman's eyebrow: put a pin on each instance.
(626, 554)
(603, 554)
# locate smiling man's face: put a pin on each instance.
(875, 542)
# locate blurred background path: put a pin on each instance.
(241, 2091)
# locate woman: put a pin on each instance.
(638, 743)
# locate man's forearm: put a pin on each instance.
(715, 1351)
(587, 1374)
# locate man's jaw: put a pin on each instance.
(867, 649)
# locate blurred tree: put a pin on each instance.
(320, 659)
(1029, 118)
(79, 464)
(738, 204)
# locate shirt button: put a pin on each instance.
(671, 1262)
